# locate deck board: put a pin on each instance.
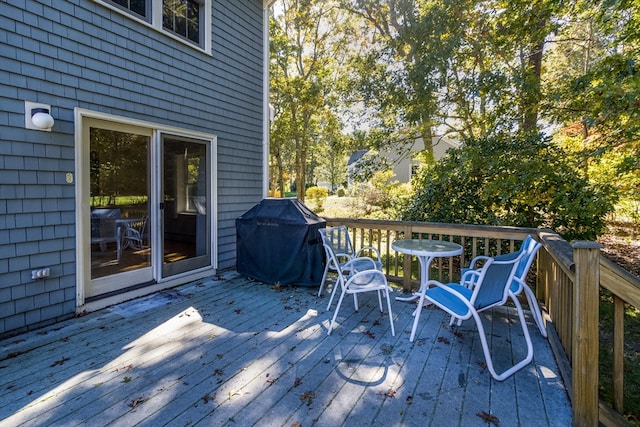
(228, 351)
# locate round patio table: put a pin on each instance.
(425, 250)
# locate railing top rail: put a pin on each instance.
(559, 249)
(619, 281)
(505, 232)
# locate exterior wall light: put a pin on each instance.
(38, 116)
(41, 118)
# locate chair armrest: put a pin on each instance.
(359, 264)
(342, 255)
(469, 278)
(472, 264)
(370, 249)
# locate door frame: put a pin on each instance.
(82, 222)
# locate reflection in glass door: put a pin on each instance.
(185, 207)
(119, 208)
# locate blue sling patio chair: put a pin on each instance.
(491, 288)
(529, 247)
(341, 258)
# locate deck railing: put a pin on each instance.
(568, 279)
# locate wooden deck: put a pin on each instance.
(226, 351)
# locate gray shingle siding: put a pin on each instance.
(79, 53)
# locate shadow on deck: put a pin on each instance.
(229, 351)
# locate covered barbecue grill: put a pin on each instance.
(278, 241)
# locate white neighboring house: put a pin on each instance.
(403, 167)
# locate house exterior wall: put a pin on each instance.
(80, 54)
(402, 167)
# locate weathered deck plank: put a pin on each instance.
(226, 351)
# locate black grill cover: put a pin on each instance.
(278, 241)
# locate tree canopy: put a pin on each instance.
(378, 75)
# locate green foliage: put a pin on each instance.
(517, 181)
(380, 198)
(317, 195)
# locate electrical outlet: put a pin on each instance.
(40, 273)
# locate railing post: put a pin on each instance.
(406, 265)
(584, 377)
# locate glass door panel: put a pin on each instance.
(185, 207)
(119, 209)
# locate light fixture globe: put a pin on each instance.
(41, 118)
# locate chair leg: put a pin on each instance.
(118, 247)
(393, 331)
(485, 345)
(324, 278)
(333, 291)
(335, 314)
(416, 316)
(535, 310)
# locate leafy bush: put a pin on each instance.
(518, 181)
(380, 198)
(317, 195)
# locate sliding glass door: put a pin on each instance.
(121, 249)
(144, 207)
(186, 206)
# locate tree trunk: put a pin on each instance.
(532, 103)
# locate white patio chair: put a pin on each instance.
(491, 289)
(135, 234)
(340, 242)
(340, 259)
(104, 229)
(365, 281)
(529, 247)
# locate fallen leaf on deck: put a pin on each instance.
(489, 418)
(308, 397)
(390, 393)
(208, 397)
(297, 382)
(59, 362)
(443, 340)
(138, 400)
(482, 364)
(409, 400)
(370, 334)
